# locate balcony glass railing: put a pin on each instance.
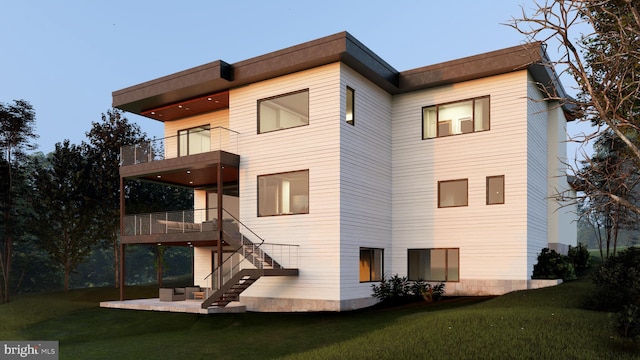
(173, 222)
(205, 140)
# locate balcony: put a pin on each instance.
(184, 227)
(191, 159)
(191, 143)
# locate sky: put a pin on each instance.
(66, 57)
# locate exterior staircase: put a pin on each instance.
(262, 265)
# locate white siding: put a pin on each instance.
(562, 214)
(492, 238)
(537, 173)
(315, 147)
(365, 180)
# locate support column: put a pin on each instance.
(220, 215)
(121, 276)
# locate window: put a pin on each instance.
(283, 111)
(351, 106)
(194, 141)
(371, 264)
(495, 190)
(283, 194)
(453, 193)
(455, 118)
(434, 264)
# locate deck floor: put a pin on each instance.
(185, 306)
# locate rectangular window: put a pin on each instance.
(351, 106)
(283, 194)
(194, 141)
(453, 193)
(434, 264)
(371, 264)
(455, 118)
(283, 111)
(495, 190)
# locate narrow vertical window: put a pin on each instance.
(495, 190)
(351, 106)
(371, 264)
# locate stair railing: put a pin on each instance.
(249, 254)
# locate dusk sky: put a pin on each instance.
(66, 57)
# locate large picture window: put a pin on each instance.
(452, 193)
(434, 264)
(283, 111)
(371, 264)
(455, 118)
(283, 194)
(495, 190)
(194, 141)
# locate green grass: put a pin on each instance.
(538, 324)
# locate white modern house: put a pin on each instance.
(318, 168)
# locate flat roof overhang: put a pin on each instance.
(193, 88)
(193, 171)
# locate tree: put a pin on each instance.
(612, 171)
(604, 60)
(105, 140)
(65, 207)
(17, 124)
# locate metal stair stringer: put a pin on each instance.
(231, 290)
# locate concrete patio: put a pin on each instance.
(185, 306)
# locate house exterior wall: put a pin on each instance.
(315, 147)
(538, 191)
(365, 183)
(562, 231)
(492, 238)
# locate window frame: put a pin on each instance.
(205, 127)
(447, 267)
(503, 190)
(351, 121)
(440, 206)
(372, 258)
(473, 117)
(260, 101)
(276, 174)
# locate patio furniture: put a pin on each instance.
(190, 290)
(172, 294)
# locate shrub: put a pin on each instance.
(392, 290)
(628, 322)
(398, 290)
(579, 257)
(618, 281)
(553, 265)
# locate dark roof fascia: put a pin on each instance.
(220, 76)
(173, 88)
(472, 67)
(531, 56)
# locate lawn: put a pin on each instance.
(537, 324)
